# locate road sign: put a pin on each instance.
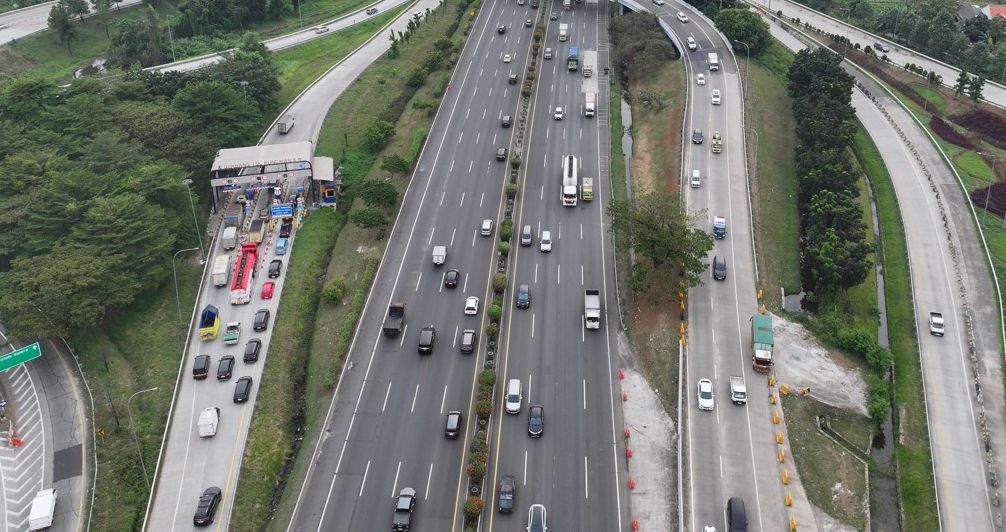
(283, 210)
(20, 356)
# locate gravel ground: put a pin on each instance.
(653, 464)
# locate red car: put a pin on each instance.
(267, 289)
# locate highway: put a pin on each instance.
(33, 19)
(385, 427)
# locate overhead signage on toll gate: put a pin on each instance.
(20, 356)
(282, 210)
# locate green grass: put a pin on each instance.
(140, 349)
(301, 65)
(776, 214)
(915, 474)
(862, 298)
(824, 465)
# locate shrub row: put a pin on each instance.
(949, 134)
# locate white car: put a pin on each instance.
(658, 2)
(700, 79)
(536, 519)
(558, 114)
(321, 29)
(682, 17)
(545, 242)
(696, 179)
(692, 44)
(716, 96)
(471, 306)
(706, 396)
(506, 58)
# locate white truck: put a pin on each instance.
(587, 189)
(714, 61)
(563, 32)
(936, 325)
(589, 63)
(590, 104)
(570, 175)
(230, 238)
(738, 391)
(592, 309)
(221, 270)
(439, 255)
(43, 509)
(286, 124)
(209, 418)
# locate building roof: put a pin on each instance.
(966, 12)
(995, 10)
(263, 155)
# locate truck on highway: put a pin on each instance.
(256, 232)
(230, 238)
(43, 510)
(936, 325)
(232, 333)
(761, 333)
(567, 5)
(570, 180)
(719, 227)
(234, 216)
(589, 60)
(404, 508)
(589, 104)
(209, 418)
(285, 124)
(592, 309)
(439, 255)
(573, 59)
(587, 189)
(738, 392)
(563, 31)
(717, 142)
(396, 317)
(209, 323)
(221, 270)
(714, 61)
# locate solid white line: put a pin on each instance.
(482, 198)
(464, 286)
(532, 325)
(558, 274)
(453, 232)
(581, 275)
(443, 399)
(432, 230)
(384, 406)
(462, 204)
(429, 476)
(454, 343)
(394, 486)
(536, 273)
(584, 394)
(470, 166)
(586, 479)
(414, 396)
(404, 331)
(418, 280)
(581, 230)
(721, 466)
(524, 482)
(477, 137)
(442, 277)
(363, 483)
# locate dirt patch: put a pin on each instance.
(801, 361)
(656, 132)
(653, 465)
(827, 523)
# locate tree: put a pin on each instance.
(836, 264)
(962, 84)
(657, 226)
(378, 135)
(744, 26)
(221, 111)
(378, 193)
(368, 218)
(24, 97)
(77, 8)
(61, 24)
(103, 10)
(975, 88)
(395, 163)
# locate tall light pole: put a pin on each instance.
(754, 176)
(747, 71)
(178, 302)
(171, 40)
(188, 188)
(299, 14)
(995, 179)
(133, 430)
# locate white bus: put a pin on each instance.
(570, 178)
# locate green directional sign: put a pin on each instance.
(26, 353)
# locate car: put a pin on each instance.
(658, 2)
(536, 421)
(558, 114)
(225, 367)
(881, 47)
(506, 121)
(501, 29)
(487, 227)
(682, 17)
(261, 321)
(427, 337)
(468, 340)
(514, 394)
(451, 278)
(545, 242)
(372, 11)
(512, 79)
(275, 268)
(471, 306)
(696, 179)
(282, 244)
(700, 79)
(523, 296)
(500, 154)
(201, 367)
(716, 96)
(285, 228)
(206, 508)
(507, 58)
(417, 14)
(452, 425)
(554, 16)
(252, 349)
(692, 45)
(706, 397)
(321, 29)
(526, 239)
(506, 494)
(534, 4)
(548, 53)
(405, 507)
(242, 389)
(719, 268)
(268, 288)
(697, 136)
(709, 528)
(737, 520)
(528, 23)
(536, 519)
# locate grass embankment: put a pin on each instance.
(380, 93)
(915, 473)
(140, 349)
(656, 160)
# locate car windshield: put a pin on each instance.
(705, 394)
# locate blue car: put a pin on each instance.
(281, 246)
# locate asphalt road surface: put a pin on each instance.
(33, 19)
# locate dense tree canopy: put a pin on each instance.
(743, 25)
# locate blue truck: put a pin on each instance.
(719, 227)
(573, 60)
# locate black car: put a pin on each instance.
(501, 154)
(452, 427)
(252, 349)
(719, 268)
(261, 320)
(275, 267)
(507, 121)
(372, 11)
(451, 278)
(201, 367)
(737, 520)
(207, 507)
(512, 79)
(468, 340)
(242, 389)
(507, 494)
(536, 421)
(285, 228)
(501, 29)
(697, 136)
(534, 4)
(225, 367)
(427, 336)
(554, 16)
(523, 296)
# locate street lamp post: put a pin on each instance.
(174, 272)
(995, 179)
(171, 40)
(195, 222)
(747, 72)
(299, 14)
(754, 176)
(133, 430)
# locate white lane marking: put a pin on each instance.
(482, 198)
(384, 406)
(478, 136)
(721, 466)
(541, 194)
(430, 240)
(535, 274)
(471, 165)
(452, 167)
(418, 281)
(524, 481)
(426, 494)
(467, 113)
(584, 394)
(414, 396)
(484, 114)
(395, 484)
(443, 277)
(558, 274)
(581, 231)
(462, 204)
(529, 389)
(464, 287)
(453, 232)
(443, 399)
(532, 325)
(586, 478)
(362, 484)
(454, 343)
(581, 275)
(404, 330)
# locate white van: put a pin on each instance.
(43, 509)
(696, 180)
(487, 227)
(513, 397)
(209, 418)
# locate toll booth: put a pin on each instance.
(254, 168)
(328, 180)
